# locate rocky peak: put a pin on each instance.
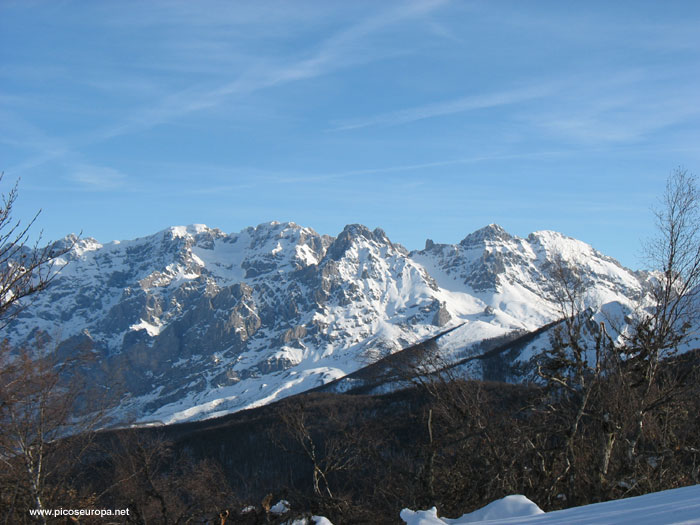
(78, 246)
(356, 230)
(492, 232)
(268, 234)
(353, 233)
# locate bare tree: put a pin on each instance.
(671, 321)
(37, 401)
(327, 457)
(144, 473)
(602, 393)
(675, 253)
(24, 269)
(572, 369)
(46, 429)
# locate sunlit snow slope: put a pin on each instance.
(191, 322)
(669, 507)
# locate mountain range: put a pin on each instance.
(191, 322)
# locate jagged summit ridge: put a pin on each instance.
(197, 322)
(492, 233)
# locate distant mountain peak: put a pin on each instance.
(356, 230)
(192, 229)
(492, 232)
(353, 233)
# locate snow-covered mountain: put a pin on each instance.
(191, 322)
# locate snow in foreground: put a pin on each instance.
(509, 507)
(677, 506)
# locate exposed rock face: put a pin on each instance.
(193, 322)
(491, 259)
(442, 316)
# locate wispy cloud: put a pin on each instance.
(227, 178)
(345, 48)
(341, 50)
(97, 178)
(642, 29)
(27, 136)
(76, 169)
(450, 107)
(624, 108)
(296, 178)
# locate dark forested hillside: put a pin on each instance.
(451, 443)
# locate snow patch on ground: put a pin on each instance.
(669, 507)
(508, 507)
(151, 329)
(280, 507)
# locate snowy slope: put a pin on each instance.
(511, 274)
(191, 322)
(511, 278)
(670, 507)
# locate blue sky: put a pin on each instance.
(426, 118)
